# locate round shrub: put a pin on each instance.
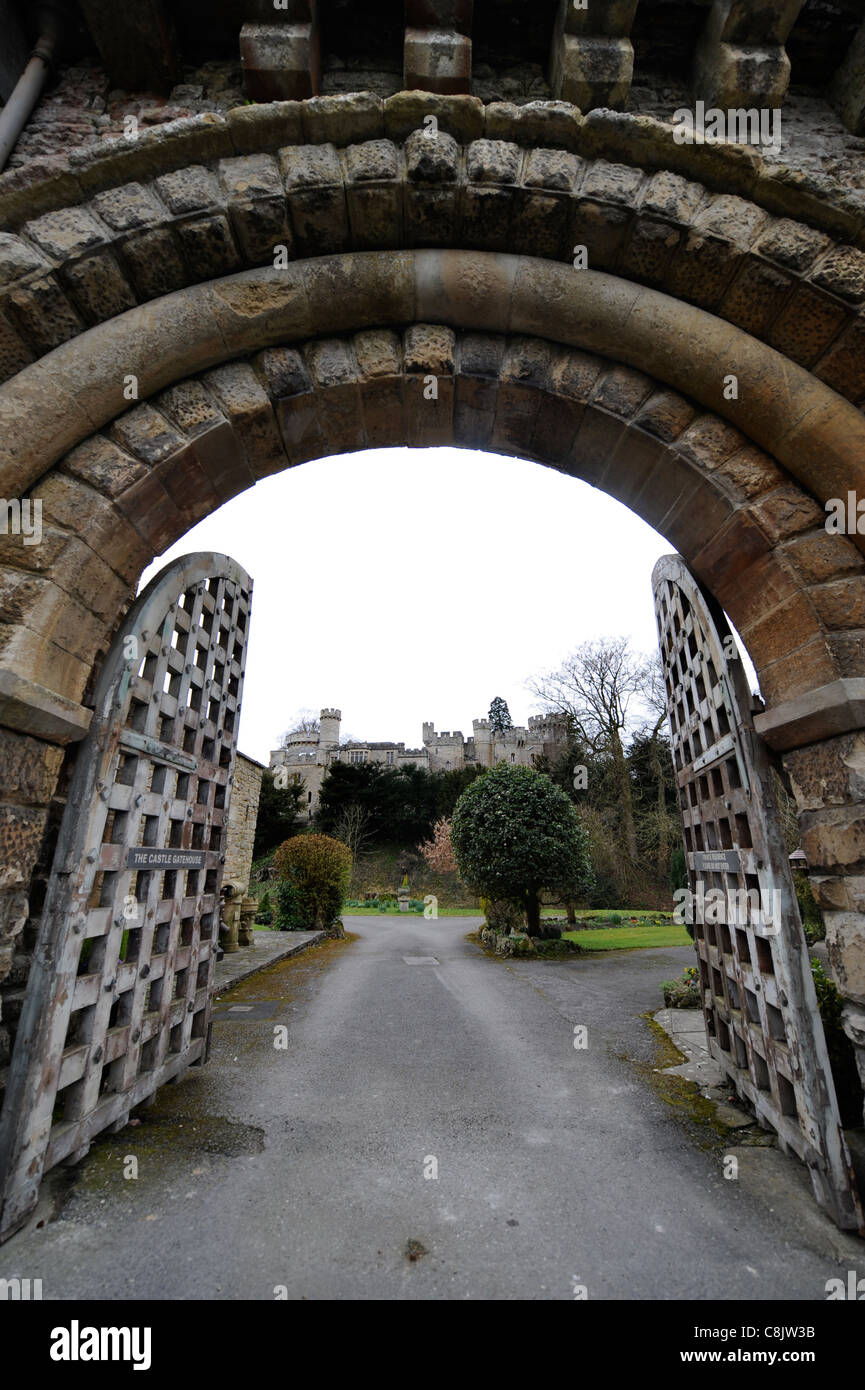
(515, 833)
(314, 873)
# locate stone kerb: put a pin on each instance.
(73, 260)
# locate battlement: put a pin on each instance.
(445, 736)
(482, 724)
(331, 714)
(555, 724)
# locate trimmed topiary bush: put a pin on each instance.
(314, 873)
(515, 833)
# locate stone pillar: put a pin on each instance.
(280, 50)
(28, 776)
(740, 59)
(592, 59)
(229, 914)
(828, 780)
(248, 909)
(438, 46)
(847, 92)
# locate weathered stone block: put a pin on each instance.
(248, 408)
(343, 119)
(756, 296)
(650, 249)
(98, 287)
(67, 232)
(622, 391)
(129, 207)
(28, 769)
(17, 259)
(549, 123)
(845, 943)
(43, 314)
(751, 472)
(709, 441)
(592, 71)
(281, 62)
(155, 264)
(807, 325)
(437, 60)
(819, 556)
(21, 831)
(14, 353)
(378, 352)
(316, 196)
(843, 366)
(541, 224)
(193, 189)
(665, 415)
(459, 116)
(148, 507)
(208, 247)
(146, 434)
(828, 773)
(842, 272)
(786, 512)
(841, 603)
(374, 194)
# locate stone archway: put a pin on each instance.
(596, 371)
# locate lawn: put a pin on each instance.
(630, 937)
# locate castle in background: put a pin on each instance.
(308, 755)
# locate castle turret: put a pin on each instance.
(329, 721)
(483, 741)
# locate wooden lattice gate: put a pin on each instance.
(759, 1003)
(118, 999)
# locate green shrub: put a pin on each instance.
(264, 915)
(812, 918)
(314, 873)
(515, 834)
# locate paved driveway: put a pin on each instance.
(429, 1131)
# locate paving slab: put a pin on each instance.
(268, 948)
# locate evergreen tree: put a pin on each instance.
(500, 716)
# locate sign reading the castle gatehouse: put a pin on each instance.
(717, 861)
(166, 859)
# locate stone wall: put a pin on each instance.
(242, 815)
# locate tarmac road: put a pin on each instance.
(429, 1131)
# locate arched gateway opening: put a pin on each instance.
(414, 288)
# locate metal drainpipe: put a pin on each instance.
(16, 113)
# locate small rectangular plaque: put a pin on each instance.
(145, 858)
(717, 861)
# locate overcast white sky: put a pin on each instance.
(408, 584)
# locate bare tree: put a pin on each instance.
(353, 828)
(604, 688)
(655, 696)
(305, 722)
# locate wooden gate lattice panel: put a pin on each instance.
(759, 1003)
(119, 996)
